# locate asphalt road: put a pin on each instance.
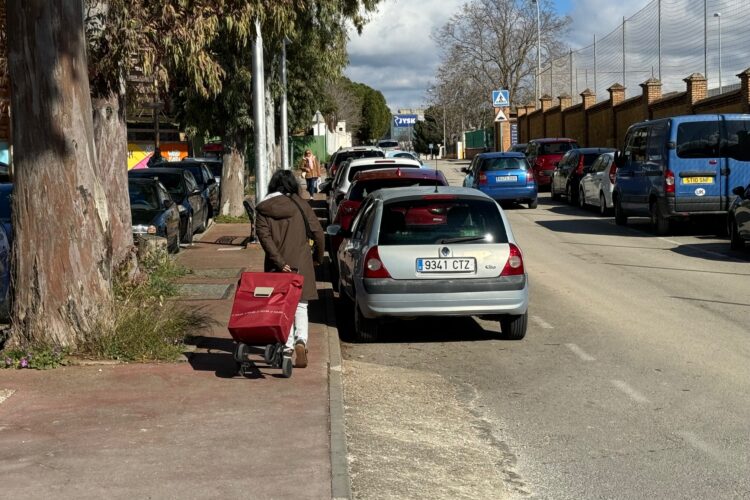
(632, 381)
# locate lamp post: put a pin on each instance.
(717, 15)
(538, 51)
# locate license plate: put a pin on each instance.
(506, 178)
(452, 265)
(697, 180)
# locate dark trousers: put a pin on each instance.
(311, 181)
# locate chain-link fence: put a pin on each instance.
(667, 39)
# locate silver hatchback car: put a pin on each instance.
(418, 251)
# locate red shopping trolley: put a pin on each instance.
(263, 314)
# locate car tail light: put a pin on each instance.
(529, 176)
(669, 182)
(612, 173)
(579, 169)
(482, 178)
(514, 266)
(374, 267)
(348, 208)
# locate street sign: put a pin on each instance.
(500, 98)
(432, 146)
(501, 117)
(402, 121)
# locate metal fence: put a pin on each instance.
(667, 39)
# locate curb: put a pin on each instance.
(341, 485)
(198, 237)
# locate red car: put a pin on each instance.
(369, 181)
(543, 156)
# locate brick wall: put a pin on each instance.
(605, 123)
(4, 83)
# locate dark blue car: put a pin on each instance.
(153, 211)
(505, 177)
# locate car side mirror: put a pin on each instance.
(337, 230)
(465, 170)
(739, 191)
(168, 204)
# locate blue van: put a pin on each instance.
(681, 167)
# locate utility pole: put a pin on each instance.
(717, 15)
(623, 51)
(705, 39)
(284, 110)
(571, 73)
(659, 30)
(259, 118)
(595, 64)
(538, 53)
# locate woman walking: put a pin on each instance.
(311, 171)
(283, 222)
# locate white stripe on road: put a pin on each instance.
(701, 445)
(580, 352)
(634, 395)
(5, 394)
(539, 321)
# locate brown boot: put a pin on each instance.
(300, 351)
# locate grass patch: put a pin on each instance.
(230, 219)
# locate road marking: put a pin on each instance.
(5, 394)
(634, 395)
(580, 352)
(230, 249)
(671, 241)
(539, 321)
(697, 443)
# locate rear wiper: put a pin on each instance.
(464, 239)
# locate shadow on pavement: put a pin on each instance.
(219, 357)
(718, 252)
(596, 227)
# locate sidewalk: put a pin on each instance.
(190, 430)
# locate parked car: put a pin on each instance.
(504, 177)
(739, 218)
(403, 154)
(519, 148)
(153, 211)
(567, 175)
(185, 192)
(206, 182)
(354, 153)
(4, 172)
(682, 167)
(369, 181)
(543, 155)
(389, 145)
(6, 245)
(345, 176)
(215, 165)
(598, 183)
(413, 252)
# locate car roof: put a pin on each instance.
(392, 194)
(159, 170)
(553, 139)
(594, 150)
(202, 160)
(504, 154)
(397, 162)
(143, 180)
(397, 173)
(359, 148)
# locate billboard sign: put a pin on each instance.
(401, 121)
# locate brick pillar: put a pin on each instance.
(546, 102)
(520, 111)
(565, 102)
(589, 99)
(616, 94)
(697, 88)
(651, 90)
(745, 90)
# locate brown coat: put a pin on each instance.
(312, 173)
(281, 230)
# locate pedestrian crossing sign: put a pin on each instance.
(500, 99)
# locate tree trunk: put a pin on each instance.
(273, 153)
(233, 178)
(61, 257)
(111, 138)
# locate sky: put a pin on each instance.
(396, 55)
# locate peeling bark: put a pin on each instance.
(61, 258)
(233, 178)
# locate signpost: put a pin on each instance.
(500, 100)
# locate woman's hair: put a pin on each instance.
(284, 182)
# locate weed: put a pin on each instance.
(38, 358)
(228, 219)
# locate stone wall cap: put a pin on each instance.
(695, 77)
(546, 97)
(565, 96)
(587, 93)
(651, 82)
(616, 86)
(744, 73)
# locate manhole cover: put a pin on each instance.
(204, 292)
(217, 273)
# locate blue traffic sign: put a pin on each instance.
(500, 98)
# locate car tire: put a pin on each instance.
(365, 329)
(555, 196)
(620, 218)
(334, 267)
(188, 236)
(569, 194)
(603, 210)
(735, 240)
(659, 222)
(514, 327)
(534, 203)
(581, 197)
(204, 224)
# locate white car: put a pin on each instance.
(598, 183)
(346, 173)
(424, 251)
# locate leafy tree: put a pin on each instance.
(427, 132)
(376, 116)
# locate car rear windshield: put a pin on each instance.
(492, 164)
(553, 148)
(590, 158)
(362, 189)
(361, 168)
(353, 155)
(441, 221)
(173, 183)
(388, 144)
(143, 196)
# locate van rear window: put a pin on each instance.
(698, 139)
(736, 144)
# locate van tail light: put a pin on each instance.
(374, 267)
(514, 266)
(482, 178)
(612, 173)
(669, 182)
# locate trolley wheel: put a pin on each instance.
(286, 367)
(240, 352)
(268, 354)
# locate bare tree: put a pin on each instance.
(345, 105)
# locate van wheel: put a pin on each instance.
(514, 327)
(659, 221)
(735, 241)
(620, 218)
(365, 329)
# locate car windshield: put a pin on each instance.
(493, 164)
(173, 183)
(361, 189)
(143, 196)
(353, 155)
(553, 148)
(432, 220)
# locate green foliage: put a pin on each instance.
(37, 358)
(229, 219)
(427, 132)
